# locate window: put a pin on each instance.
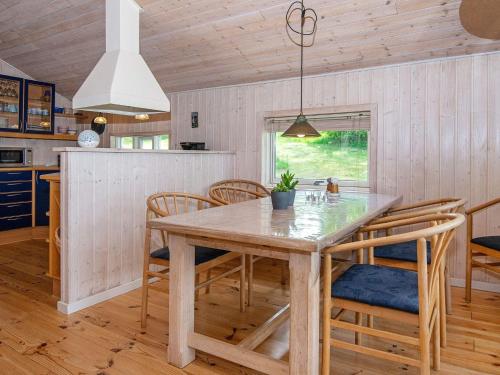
(342, 151)
(141, 142)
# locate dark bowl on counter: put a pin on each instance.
(193, 145)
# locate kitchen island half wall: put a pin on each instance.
(103, 212)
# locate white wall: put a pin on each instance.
(103, 213)
(438, 128)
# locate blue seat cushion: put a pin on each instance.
(394, 288)
(202, 254)
(406, 251)
(493, 242)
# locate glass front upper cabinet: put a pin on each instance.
(11, 94)
(39, 100)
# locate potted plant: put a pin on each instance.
(288, 179)
(280, 196)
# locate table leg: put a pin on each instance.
(181, 301)
(304, 313)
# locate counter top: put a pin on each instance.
(52, 177)
(31, 168)
(123, 151)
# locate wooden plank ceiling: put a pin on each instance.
(202, 43)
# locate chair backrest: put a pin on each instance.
(244, 184)
(441, 229)
(435, 206)
(230, 195)
(166, 204)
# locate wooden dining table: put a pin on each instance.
(297, 235)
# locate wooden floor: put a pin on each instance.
(107, 338)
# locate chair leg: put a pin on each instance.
(359, 321)
(442, 307)
(144, 307)
(447, 283)
(436, 345)
(284, 267)
(196, 282)
(209, 276)
(243, 283)
(250, 280)
(370, 321)
(145, 278)
(468, 275)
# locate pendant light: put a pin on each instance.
(142, 117)
(301, 127)
(100, 119)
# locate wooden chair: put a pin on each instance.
(404, 255)
(395, 294)
(166, 204)
(231, 195)
(244, 184)
(480, 247)
(235, 191)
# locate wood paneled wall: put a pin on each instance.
(103, 211)
(438, 128)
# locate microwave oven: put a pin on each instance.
(15, 157)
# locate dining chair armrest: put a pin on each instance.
(473, 210)
(447, 222)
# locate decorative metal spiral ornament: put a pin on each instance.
(308, 18)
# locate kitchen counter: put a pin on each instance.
(124, 151)
(52, 177)
(103, 213)
(31, 168)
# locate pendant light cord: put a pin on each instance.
(302, 21)
(306, 14)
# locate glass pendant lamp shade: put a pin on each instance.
(100, 119)
(301, 128)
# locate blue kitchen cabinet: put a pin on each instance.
(15, 200)
(11, 101)
(39, 98)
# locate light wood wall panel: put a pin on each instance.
(438, 128)
(104, 210)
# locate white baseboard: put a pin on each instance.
(70, 308)
(480, 285)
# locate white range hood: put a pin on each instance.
(121, 82)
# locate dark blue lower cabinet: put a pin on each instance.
(16, 222)
(42, 200)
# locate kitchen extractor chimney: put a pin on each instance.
(121, 82)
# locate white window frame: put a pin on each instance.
(268, 154)
(317, 182)
(137, 139)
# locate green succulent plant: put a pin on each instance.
(288, 179)
(281, 188)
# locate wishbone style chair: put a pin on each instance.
(166, 204)
(230, 194)
(396, 294)
(404, 255)
(244, 184)
(236, 191)
(479, 247)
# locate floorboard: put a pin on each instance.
(107, 338)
